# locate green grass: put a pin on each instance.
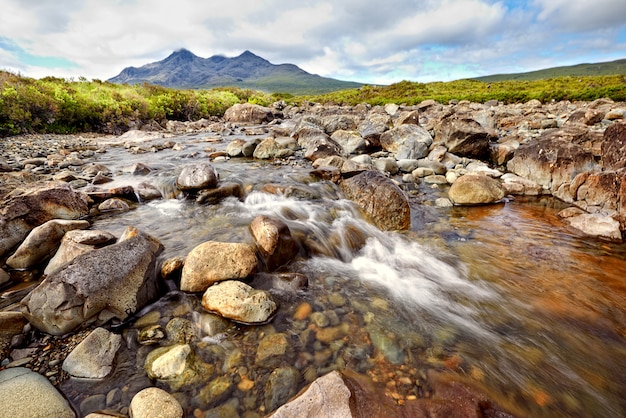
(61, 106)
(410, 93)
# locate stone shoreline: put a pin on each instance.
(475, 153)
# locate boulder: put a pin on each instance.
(475, 189)
(407, 141)
(551, 162)
(239, 302)
(75, 243)
(327, 396)
(219, 193)
(248, 113)
(516, 185)
(350, 141)
(463, 136)
(374, 125)
(269, 148)
(214, 261)
(597, 225)
(197, 176)
(155, 403)
(93, 358)
(235, 147)
(27, 207)
(613, 147)
(322, 147)
(167, 362)
(42, 242)
(274, 241)
(380, 199)
(28, 394)
(110, 282)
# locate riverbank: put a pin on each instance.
(397, 164)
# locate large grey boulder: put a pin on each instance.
(42, 242)
(551, 162)
(463, 136)
(373, 126)
(380, 199)
(75, 243)
(25, 393)
(407, 141)
(110, 282)
(214, 261)
(27, 207)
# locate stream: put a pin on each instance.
(506, 297)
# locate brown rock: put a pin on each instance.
(464, 137)
(248, 113)
(613, 146)
(380, 199)
(274, 241)
(214, 261)
(240, 302)
(475, 190)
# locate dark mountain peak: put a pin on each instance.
(182, 55)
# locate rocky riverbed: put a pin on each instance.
(236, 315)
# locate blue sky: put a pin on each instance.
(360, 40)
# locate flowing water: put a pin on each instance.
(506, 297)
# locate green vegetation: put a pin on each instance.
(60, 106)
(580, 70)
(410, 93)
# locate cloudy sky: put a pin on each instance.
(360, 40)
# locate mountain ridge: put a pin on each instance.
(185, 70)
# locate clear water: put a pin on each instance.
(506, 297)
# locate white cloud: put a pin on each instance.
(349, 39)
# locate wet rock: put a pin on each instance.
(407, 141)
(114, 204)
(475, 189)
(197, 176)
(281, 385)
(235, 148)
(240, 302)
(28, 394)
(280, 283)
(94, 356)
(110, 282)
(381, 200)
(208, 324)
(274, 241)
(214, 261)
(27, 207)
(75, 243)
(327, 396)
(273, 350)
(151, 334)
(597, 225)
(464, 137)
(179, 331)
(155, 403)
(551, 162)
(248, 113)
(613, 147)
(11, 324)
(216, 390)
(350, 141)
(269, 148)
(167, 362)
(147, 191)
(221, 192)
(42, 242)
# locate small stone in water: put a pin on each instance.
(303, 311)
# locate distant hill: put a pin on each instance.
(184, 70)
(581, 70)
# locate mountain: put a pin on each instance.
(598, 69)
(185, 70)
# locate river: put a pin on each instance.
(506, 297)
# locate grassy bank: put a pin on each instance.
(56, 105)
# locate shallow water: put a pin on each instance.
(507, 297)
